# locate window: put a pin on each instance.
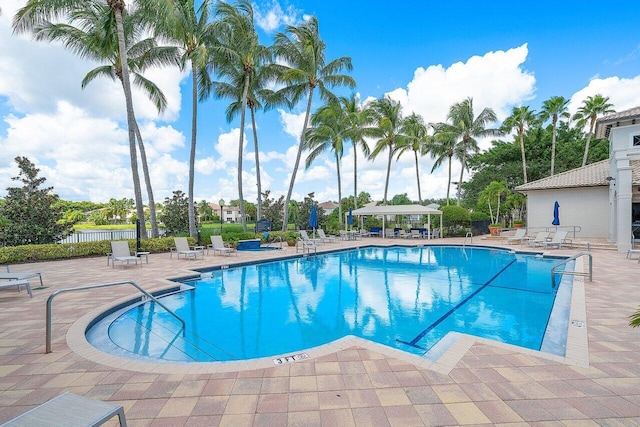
(636, 140)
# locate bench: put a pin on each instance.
(69, 410)
(18, 283)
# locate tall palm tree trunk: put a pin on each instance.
(255, 148)
(386, 182)
(339, 190)
(147, 180)
(449, 184)
(243, 114)
(355, 176)
(463, 161)
(415, 153)
(586, 147)
(117, 6)
(193, 232)
(553, 143)
(285, 223)
(524, 159)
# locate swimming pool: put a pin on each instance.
(404, 297)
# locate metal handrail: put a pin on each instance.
(104, 285)
(574, 273)
(275, 239)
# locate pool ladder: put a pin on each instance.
(276, 239)
(574, 273)
(470, 236)
(104, 285)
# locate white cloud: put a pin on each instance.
(622, 93)
(273, 16)
(496, 80)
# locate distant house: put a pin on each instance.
(328, 207)
(598, 200)
(229, 213)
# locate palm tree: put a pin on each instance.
(95, 37)
(179, 23)
(554, 108)
(387, 115)
(303, 68)
(328, 132)
(38, 12)
(521, 118)
(591, 108)
(444, 148)
(356, 121)
(464, 129)
(238, 54)
(417, 141)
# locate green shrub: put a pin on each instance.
(52, 251)
(454, 215)
(479, 216)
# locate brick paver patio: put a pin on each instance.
(353, 383)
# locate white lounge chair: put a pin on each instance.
(364, 233)
(559, 238)
(389, 233)
(305, 236)
(435, 233)
(324, 237)
(520, 236)
(217, 245)
(403, 234)
(416, 234)
(18, 283)
(20, 276)
(120, 252)
(183, 248)
(539, 238)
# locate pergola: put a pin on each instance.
(400, 210)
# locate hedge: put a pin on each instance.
(32, 253)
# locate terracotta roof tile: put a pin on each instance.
(593, 175)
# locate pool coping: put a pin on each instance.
(577, 351)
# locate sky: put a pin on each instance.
(427, 55)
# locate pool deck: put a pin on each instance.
(349, 382)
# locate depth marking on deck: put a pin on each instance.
(290, 359)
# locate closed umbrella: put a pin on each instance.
(313, 219)
(350, 218)
(556, 214)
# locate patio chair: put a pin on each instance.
(21, 276)
(70, 409)
(559, 238)
(120, 252)
(435, 233)
(518, 237)
(183, 248)
(324, 237)
(305, 236)
(403, 234)
(18, 283)
(539, 238)
(217, 245)
(389, 233)
(416, 234)
(364, 233)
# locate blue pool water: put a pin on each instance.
(404, 297)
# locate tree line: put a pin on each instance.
(218, 43)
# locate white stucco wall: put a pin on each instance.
(586, 207)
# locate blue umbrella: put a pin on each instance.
(350, 217)
(556, 214)
(313, 219)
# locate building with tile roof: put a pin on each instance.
(598, 200)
